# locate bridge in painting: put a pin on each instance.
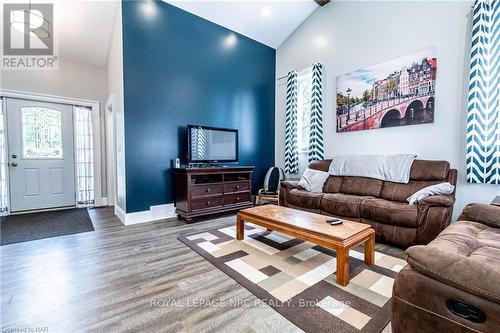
(380, 114)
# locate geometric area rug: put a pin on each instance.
(297, 278)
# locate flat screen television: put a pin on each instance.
(212, 144)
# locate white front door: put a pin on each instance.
(41, 159)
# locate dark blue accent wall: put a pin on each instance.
(180, 69)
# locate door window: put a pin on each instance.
(42, 133)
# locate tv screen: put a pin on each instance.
(212, 145)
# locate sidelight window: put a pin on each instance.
(84, 155)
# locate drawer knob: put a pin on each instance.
(237, 198)
(237, 186)
(207, 190)
(208, 203)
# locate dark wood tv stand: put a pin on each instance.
(204, 191)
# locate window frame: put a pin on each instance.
(24, 126)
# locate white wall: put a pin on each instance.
(348, 35)
(114, 75)
(74, 79)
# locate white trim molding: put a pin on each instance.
(96, 127)
(155, 213)
(110, 126)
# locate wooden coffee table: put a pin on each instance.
(313, 228)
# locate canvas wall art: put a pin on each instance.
(398, 92)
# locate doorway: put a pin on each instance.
(41, 155)
(51, 155)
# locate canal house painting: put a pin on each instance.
(398, 92)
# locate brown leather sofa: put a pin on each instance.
(381, 204)
(452, 284)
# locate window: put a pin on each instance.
(84, 155)
(42, 137)
(304, 85)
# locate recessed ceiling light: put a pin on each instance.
(320, 41)
(149, 8)
(266, 11)
(230, 40)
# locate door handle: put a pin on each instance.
(14, 164)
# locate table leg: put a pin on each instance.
(240, 228)
(370, 250)
(343, 267)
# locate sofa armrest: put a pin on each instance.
(438, 200)
(432, 219)
(444, 261)
(482, 213)
(290, 184)
(285, 187)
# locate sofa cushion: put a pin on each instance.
(361, 186)
(399, 236)
(302, 198)
(332, 184)
(429, 170)
(339, 204)
(321, 165)
(313, 180)
(465, 255)
(390, 212)
(401, 192)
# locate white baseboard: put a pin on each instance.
(120, 214)
(158, 212)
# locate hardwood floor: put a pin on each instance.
(126, 279)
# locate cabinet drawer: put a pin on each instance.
(200, 190)
(208, 202)
(236, 187)
(230, 199)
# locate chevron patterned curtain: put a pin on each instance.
(483, 115)
(291, 147)
(316, 149)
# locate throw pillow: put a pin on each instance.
(442, 188)
(313, 180)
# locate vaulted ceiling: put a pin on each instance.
(84, 28)
(269, 22)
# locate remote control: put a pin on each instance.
(335, 222)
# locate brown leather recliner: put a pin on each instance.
(452, 284)
(381, 204)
